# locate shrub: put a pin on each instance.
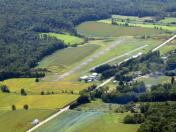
(26, 107)
(23, 92)
(13, 107)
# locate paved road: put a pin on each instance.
(123, 55)
(169, 40)
(49, 119)
(97, 55)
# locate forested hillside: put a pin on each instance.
(21, 22)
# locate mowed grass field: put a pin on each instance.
(35, 88)
(82, 121)
(94, 116)
(97, 29)
(164, 24)
(169, 47)
(20, 120)
(129, 44)
(36, 101)
(68, 39)
(62, 60)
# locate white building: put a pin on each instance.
(35, 122)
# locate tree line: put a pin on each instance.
(21, 22)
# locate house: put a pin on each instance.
(89, 78)
(84, 78)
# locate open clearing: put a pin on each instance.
(96, 29)
(68, 39)
(64, 59)
(20, 120)
(33, 88)
(90, 117)
(77, 121)
(36, 101)
(164, 24)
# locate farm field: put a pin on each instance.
(170, 46)
(149, 81)
(20, 120)
(64, 59)
(68, 39)
(164, 24)
(35, 101)
(90, 117)
(35, 88)
(97, 29)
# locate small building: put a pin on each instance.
(84, 78)
(35, 122)
(95, 74)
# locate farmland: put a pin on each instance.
(66, 58)
(20, 120)
(90, 117)
(145, 22)
(36, 101)
(66, 38)
(95, 29)
(35, 88)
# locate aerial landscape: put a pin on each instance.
(88, 66)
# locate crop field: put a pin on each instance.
(168, 20)
(169, 47)
(149, 81)
(20, 120)
(36, 101)
(93, 116)
(32, 87)
(141, 22)
(97, 29)
(64, 59)
(68, 39)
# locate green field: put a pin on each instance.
(35, 101)
(129, 44)
(163, 24)
(97, 29)
(20, 120)
(68, 39)
(169, 47)
(33, 88)
(90, 117)
(77, 121)
(63, 59)
(149, 81)
(168, 20)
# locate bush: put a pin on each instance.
(13, 107)
(26, 107)
(83, 99)
(134, 119)
(5, 89)
(23, 92)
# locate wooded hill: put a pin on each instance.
(22, 20)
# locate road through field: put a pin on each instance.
(49, 119)
(92, 58)
(167, 41)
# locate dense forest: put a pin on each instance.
(21, 22)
